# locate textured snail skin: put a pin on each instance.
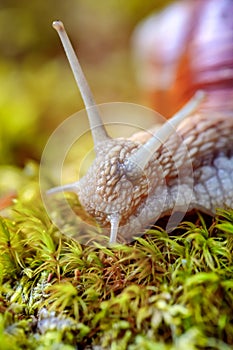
(167, 181)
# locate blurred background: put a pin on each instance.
(37, 89)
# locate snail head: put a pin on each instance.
(120, 177)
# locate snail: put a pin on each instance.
(132, 183)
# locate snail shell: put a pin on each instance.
(187, 47)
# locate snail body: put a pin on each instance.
(133, 182)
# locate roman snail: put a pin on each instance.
(131, 184)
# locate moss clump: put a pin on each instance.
(160, 292)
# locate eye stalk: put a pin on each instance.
(99, 133)
(143, 155)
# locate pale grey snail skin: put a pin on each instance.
(129, 186)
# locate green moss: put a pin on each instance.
(160, 292)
